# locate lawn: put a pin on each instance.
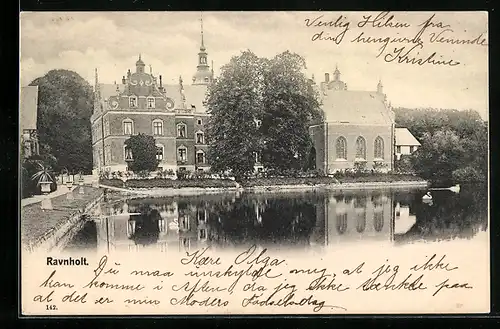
(36, 222)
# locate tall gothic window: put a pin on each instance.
(360, 148)
(379, 148)
(341, 148)
(341, 222)
(378, 220)
(157, 127)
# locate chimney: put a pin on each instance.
(123, 80)
(327, 77)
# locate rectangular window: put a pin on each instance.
(398, 149)
(181, 131)
(128, 154)
(127, 128)
(157, 128)
(199, 138)
(200, 122)
(182, 154)
(159, 153)
(200, 157)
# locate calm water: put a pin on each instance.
(300, 220)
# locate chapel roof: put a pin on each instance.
(405, 137)
(28, 107)
(355, 107)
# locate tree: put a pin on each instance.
(65, 103)
(439, 156)
(234, 102)
(290, 104)
(261, 106)
(143, 148)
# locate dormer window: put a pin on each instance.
(258, 123)
(181, 130)
(151, 102)
(132, 101)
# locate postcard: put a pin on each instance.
(269, 163)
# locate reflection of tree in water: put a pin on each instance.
(146, 225)
(273, 220)
(451, 214)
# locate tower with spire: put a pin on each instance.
(336, 83)
(204, 74)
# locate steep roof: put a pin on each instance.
(355, 107)
(405, 137)
(194, 94)
(28, 107)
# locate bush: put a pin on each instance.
(467, 175)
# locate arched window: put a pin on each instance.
(200, 157)
(341, 148)
(379, 148)
(360, 148)
(181, 130)
(128, 127)
(159, 151)
(132, 101)
(157, 127)
(151, 102)
(341, 223)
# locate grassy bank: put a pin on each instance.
(255, 182)
(36, 222)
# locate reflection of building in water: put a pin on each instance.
(349, 218)
(403, 219)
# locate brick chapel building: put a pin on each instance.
(174, 115)
(358, 127)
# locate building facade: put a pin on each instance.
(28, 111)
(174, 115)
(406, 143)
(357, 129)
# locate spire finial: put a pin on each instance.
(139, 56)
(201, 23)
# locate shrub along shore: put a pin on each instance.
(146, 183)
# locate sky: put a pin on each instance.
(170, 41)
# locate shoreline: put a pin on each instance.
(190, 191)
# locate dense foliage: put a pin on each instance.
(65, 102)
(260, 109)
(143, 149)
(454, 144)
